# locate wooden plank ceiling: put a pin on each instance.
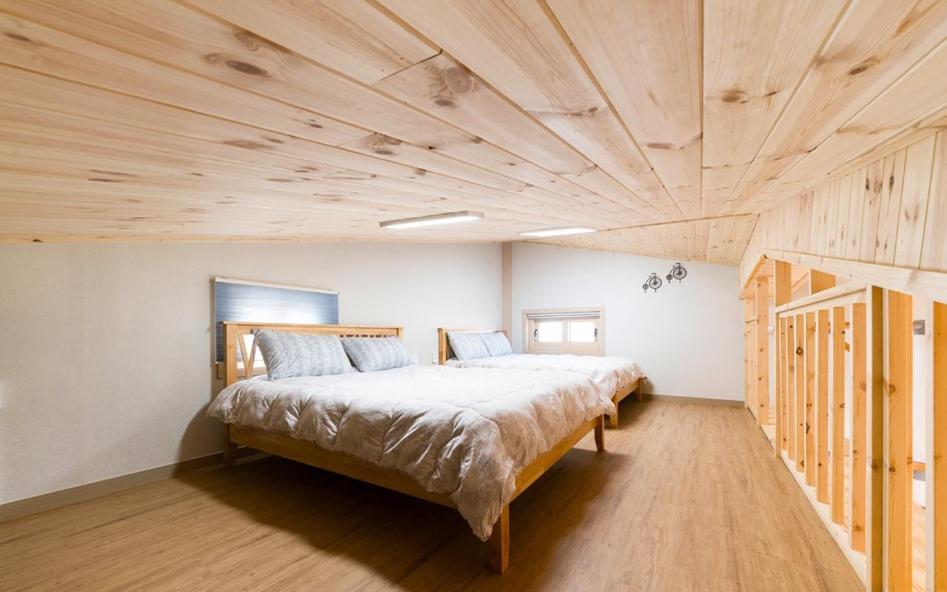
(667, 125)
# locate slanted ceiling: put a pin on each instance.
(669, 124)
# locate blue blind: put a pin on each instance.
(256, 303)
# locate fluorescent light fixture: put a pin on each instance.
(557, 232)
(451, 218)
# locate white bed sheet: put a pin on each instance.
(607, 372)
(464, 432)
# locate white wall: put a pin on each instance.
(105, 350)
(687, 337)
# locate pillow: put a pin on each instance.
(497, 344)
(301, 354)
(376, 353)
(468, 346)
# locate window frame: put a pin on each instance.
(565, 315)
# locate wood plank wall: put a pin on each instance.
(881, 229)
(891, 212)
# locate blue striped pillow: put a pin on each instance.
(301, 354)
(497, 344)
(370, 354)
(468, 346)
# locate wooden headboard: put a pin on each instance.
(235, 334)
(444, 352)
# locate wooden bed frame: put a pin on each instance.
(444, 353)
(239, 365)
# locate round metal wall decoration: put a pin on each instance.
(653, 282)
(678, 272)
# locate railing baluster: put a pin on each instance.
(838, 415)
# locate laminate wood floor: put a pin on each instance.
(689, 497)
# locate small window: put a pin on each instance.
(562, 331)
(549, 332)
(582, 331)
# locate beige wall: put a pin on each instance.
(688, 337)
(105, 350)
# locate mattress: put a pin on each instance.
(463, 432)
(607, 372)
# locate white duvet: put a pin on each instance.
(464, 432)
(607, 372)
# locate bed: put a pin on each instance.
(617, 377)
(470, 439)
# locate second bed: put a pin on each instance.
(616, 377)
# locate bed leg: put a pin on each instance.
(499, 542)
(600, 433)
(613, 419)
(639, 394)
(230, 451)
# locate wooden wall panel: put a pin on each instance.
(915, 194)
(934, 250)
(895, 214)
(889, 208)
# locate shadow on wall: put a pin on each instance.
(201, 430)
(204, 436)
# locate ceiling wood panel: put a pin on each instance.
(717, 240)
(446, 89)
(33, 47)
(516, 48)
(223, 141)
(349, 37)
(668, 127)
(647, 58)
(755, 54)
(873, 45)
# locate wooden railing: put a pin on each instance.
(842, 416)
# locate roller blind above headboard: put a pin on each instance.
(248, 301)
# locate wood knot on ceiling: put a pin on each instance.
(236, 65)
(862, 67)
(734, 95)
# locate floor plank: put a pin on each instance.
(688, 497)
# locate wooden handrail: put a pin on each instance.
(831, 295)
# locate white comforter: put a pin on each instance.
(464, 432)
(607, 372)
